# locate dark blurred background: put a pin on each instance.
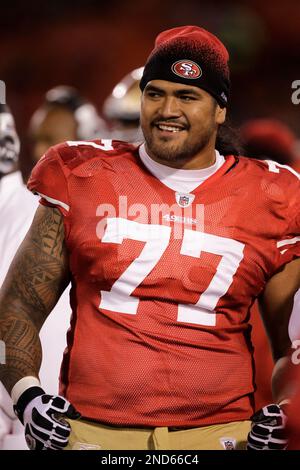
(92, 45)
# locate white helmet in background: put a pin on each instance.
(90, 124)
(9, 141)
(122, 108)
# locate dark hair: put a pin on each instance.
(228, 141)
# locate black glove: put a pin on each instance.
(268, 429)
(43, 418)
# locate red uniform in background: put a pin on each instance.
(161, 303)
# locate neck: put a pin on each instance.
(203, 159)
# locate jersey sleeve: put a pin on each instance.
(49, 179)
(289, 245)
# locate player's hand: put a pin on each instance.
(268, 429)
(44, 419)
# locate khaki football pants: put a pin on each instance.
(87, 435)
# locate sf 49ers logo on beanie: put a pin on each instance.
(186, 69)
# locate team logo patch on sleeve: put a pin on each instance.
(187, 69)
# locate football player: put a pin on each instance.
(64, 115)
(121, 108)
(166, 246)
(17, 208)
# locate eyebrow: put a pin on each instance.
(180, 91)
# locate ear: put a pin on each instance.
(220, 115)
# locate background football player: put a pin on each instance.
(122, 108)
(63, 115)
(17, 208)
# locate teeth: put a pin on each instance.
(168, 128)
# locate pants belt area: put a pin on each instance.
(146, 428)
(93, 435)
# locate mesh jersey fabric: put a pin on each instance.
(159, 333)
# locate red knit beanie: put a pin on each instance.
(192, 56)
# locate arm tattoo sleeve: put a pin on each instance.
(36, 279)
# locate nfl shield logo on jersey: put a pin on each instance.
(184, 200)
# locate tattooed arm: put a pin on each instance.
(36, 279)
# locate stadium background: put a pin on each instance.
(92, 44)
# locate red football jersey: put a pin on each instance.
(162, 282)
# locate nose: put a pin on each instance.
(170, 107)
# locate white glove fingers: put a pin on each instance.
(276, 432)
(59, 404)
(55, 430)
(46, 427)
(39, 420)
(46, 423)
(61, 432)
(60, 419)
(59, 444)
(268, 429)
(36, 436)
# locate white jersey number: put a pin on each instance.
(274, 167)
(157, 238)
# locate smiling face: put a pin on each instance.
(180, 123)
